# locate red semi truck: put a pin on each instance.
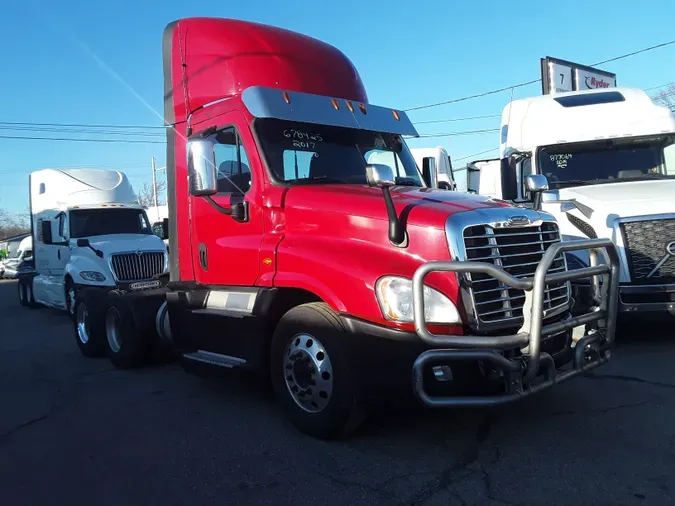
(306, 244)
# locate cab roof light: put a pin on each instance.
(397, 116)
(287, 97)
(363, 109)
(350, 106)
(336, 106)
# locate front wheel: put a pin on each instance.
(311, 374)
(23, 293)
(71, 298)
(89, 328)
(127, 346)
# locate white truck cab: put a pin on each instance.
(444, 176)
(9, 267)
(88, 231)
(609, 159)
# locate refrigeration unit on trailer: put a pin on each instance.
(338, 279)
(608, 157)
(87, 231)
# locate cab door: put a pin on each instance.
(227, 228)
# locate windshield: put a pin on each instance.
(304, 152)
(598, 163)
(90, 222)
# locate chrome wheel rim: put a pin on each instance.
(308, 373)
(82, 324)
(71, 300)
(112, 329)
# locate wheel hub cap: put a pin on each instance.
(308, 373)
(82, 323)
(112, 330)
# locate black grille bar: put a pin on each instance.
(646, 245)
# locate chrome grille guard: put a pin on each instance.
(529, 336)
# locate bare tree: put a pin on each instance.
(145, 196)
(13, 223)
(666, 97)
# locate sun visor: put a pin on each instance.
(264, 102)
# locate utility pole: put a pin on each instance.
(154, 182)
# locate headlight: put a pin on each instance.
(394, 294)
(92, 276)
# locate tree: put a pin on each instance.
(145, 196)
(13, 223)
(666, 97)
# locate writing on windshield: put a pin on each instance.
(565, 166)
(298, 152)
(91, 222)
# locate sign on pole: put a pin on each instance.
(560, 76)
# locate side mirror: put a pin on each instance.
(83, 243)
(509, 183)
(378, 174)
(202, 179)
(535, 184)
(429, 171)
(165, 228)
(444, 185)
(47, 232)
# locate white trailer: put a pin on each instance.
(88, 232)
(608, 159)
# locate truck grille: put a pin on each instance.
(517, 250)
(137, 267)
(645, 246)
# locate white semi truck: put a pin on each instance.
(609, 158)
(88, 231)
(443, 163)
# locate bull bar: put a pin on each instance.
(591, 351)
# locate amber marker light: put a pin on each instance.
(287, 97)
(336, 106)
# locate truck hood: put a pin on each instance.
(118, 243)
(418, 206)
(624, 199)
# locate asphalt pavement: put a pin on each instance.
(76, 431)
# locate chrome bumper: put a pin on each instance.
(591, 351)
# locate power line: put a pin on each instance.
(492, 92)
(71, 139)
(455, 134)
(456, 119)
(475, 154)
(78, 125)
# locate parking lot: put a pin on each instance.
(76, 431)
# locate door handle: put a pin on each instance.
(58, 254)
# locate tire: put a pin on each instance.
(30, 296)
(71, 298)
(23, 296)
(127, 346)
(308, 340)
(89, 327)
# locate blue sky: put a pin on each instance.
(60, 60)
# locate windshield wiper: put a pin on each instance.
(574, 182)
(645, 176)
